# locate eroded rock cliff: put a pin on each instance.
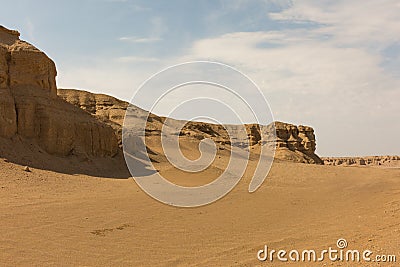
(107, 109)
(296, 143)
(293, 143)
(30, 108)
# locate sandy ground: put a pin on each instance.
(50, 218)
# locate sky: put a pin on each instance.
(333, 65)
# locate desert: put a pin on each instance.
(68, 199)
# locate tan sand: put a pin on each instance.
(50, 218)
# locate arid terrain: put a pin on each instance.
(53, 218)
(68, 199)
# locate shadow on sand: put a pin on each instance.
(26, 153)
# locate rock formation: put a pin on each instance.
(388, 161)
(106, 108)
(293, 143)
(296, 143)
(30, 108)
(85, 124)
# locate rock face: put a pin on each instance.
(8, 117)
(293, 143)
(296, 143)
(389, 161)
(30, 108)
(106, 108)
(103, 106)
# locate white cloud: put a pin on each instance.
(132, 59)
(295, 62)
(138, 8)
(134, 39)
(157, 29)
(330, 73)
(355, 22)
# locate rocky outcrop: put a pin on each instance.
(293, 143)
(389, 161)
(296, 143)
(106, 108)
(31, 109)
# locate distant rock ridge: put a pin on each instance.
(293, 143)
(389, 161)
(30, 108)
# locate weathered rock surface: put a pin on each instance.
(105, 107)
(296, 143)
(389, 161)
(293, 143)
(30, 108)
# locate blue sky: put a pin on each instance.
(334, 65)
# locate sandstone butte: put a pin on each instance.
(67, 122)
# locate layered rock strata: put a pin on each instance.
(293, 143)
(30, 108)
